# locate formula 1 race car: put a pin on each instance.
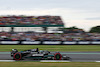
(35, 54)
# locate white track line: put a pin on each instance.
(42, 61)
(97, 61)
(7, 60)
(53, 61)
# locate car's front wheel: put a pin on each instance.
(57, 56)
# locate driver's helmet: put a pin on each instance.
(35, 50)
(15, 50)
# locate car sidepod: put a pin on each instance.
(49, 57)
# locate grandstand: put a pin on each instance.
(31, 22)
(42, 28)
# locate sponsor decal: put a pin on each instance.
(37, 55)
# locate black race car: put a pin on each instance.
(37, 55)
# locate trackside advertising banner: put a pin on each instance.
(9, 42)
(49, 42)
(84, 42)
(95, 42)
(70, 42)
(31, 42)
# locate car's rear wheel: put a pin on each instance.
(17, 56)
(57, 56)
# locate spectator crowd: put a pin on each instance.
(30, 20)
(68, 35)
(50, 36)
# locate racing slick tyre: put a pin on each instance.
(57, 56)
(17, 56)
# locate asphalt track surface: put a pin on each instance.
(75, 56)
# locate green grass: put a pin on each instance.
(51, 47)
(38, 64)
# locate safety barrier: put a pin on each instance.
(49, 42)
